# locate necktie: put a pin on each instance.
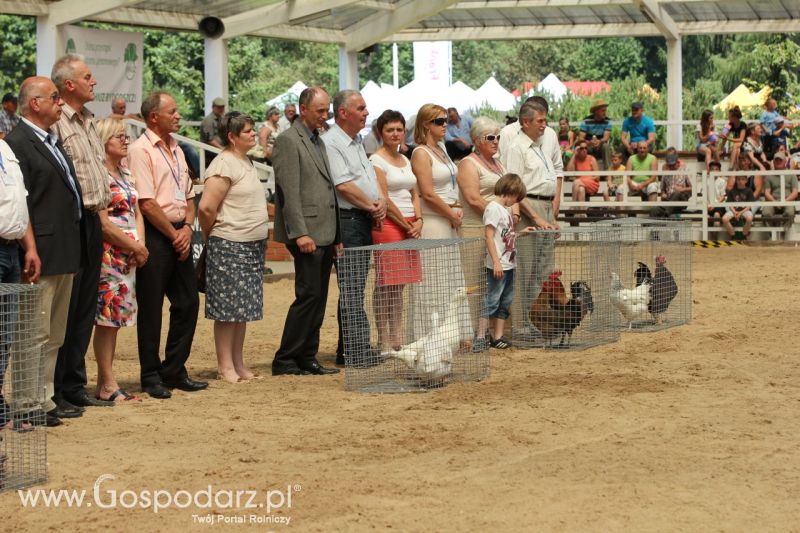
(50, 141)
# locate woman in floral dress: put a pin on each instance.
(123, 251)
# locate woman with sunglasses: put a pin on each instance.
(436, 175)
(442, 273)
(233, 219)
(478, 173)
(123, 250)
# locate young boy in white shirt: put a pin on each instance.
(500, 261)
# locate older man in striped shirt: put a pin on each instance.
(76, 129)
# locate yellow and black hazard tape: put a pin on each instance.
(715, 244)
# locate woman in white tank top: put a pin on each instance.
(436, 175)
(478, 173)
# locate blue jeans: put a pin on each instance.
(10, 272)
(499, 294)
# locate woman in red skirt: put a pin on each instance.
(394, 268)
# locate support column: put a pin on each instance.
(674, 92)
(215, 71)
(348, 69)
(49, 45)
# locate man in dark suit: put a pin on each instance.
(55, 207)
(307, 221)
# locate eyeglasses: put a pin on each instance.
(55, 97)
(123, 138)
(582, 148)
(491, 138)
(441, 121)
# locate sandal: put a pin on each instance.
(501, 344)
(126, 397)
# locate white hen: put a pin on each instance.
(431, 356)
(632, 303)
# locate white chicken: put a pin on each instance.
(632, 303)
(431, 356)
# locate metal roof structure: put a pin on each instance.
(357, 24)
(360, 23)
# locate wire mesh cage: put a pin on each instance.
(23, 440)
(653, 279)
(409, 312)
(561, 298)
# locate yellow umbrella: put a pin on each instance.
(740, 96)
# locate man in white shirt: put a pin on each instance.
(361, 205)
(528, 156)
(14, 229)
(510, 132)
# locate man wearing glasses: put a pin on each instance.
(55, 207)
(76, 129)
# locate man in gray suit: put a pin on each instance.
(307, 221)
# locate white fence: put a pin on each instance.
(696, 207)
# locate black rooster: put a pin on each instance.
(574, 311)
(663, 288)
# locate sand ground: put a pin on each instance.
(692, 428)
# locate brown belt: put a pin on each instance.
(6, 242)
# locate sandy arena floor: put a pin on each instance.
(693, 428)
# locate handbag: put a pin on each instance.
(200, 270)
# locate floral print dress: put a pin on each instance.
(116, 299)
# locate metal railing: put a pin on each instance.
(265, 172)
(703, 195)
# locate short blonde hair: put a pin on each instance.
(483, 126)
(107, 127)
(425, 114)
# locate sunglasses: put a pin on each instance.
(441, 121)
(491, 138)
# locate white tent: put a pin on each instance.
(552, 86)
(494, 95)
(291, 95)
(462, 97)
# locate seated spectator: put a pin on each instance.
(719, 192)
(584, 187)
(456, 139)
(707, 138)
(780, 138)
(8, 116)
(772, 193)
(674, 188)
(596, 128)
(755, 182)
(739, 216)
(734, 134)
(638, 128)
(267, 135)
(753, 148)
(770, 116)
(566, 139)
(616, 184)
(642, 185)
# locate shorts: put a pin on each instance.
(591, 185)
(653, 188)
(499, 294)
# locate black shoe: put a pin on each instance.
(319, 370)
(82, 399)
(59, 412)
(288, 371)
(186, 384)
(40, 418)
(61, 403)
(157, 390)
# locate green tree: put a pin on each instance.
(606, 59)
(377, 66)
(17, 51)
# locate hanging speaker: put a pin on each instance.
(211, 27)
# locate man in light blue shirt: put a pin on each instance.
(457, 139)
(361, 207)
(638, 128)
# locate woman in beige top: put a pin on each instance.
(233, 218)
(269, 132)
(478, 173)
